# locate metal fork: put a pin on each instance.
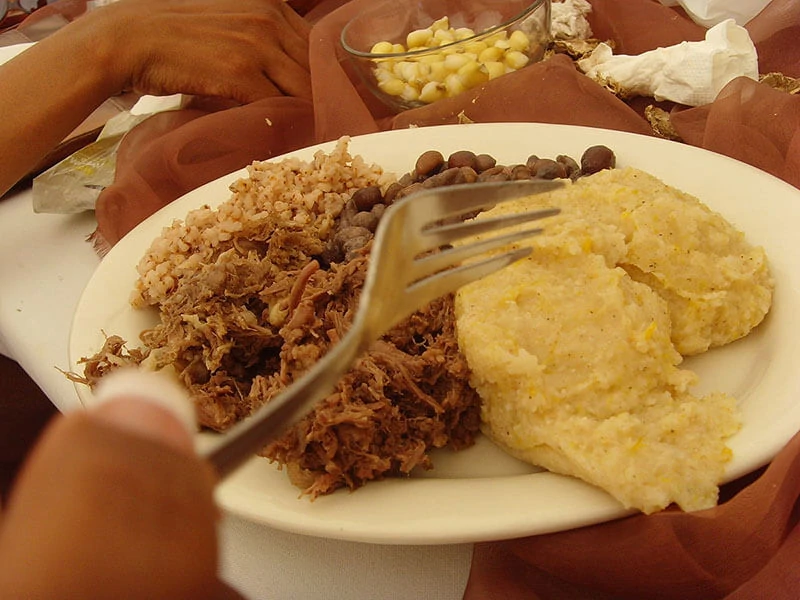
(412, 262)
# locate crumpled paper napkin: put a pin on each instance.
(568, 20)
(74, 184)
(690, 73)
(711, 12)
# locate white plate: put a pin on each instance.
(481, 494)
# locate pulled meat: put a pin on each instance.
(407, 395)
(236, 344)
(250, 295)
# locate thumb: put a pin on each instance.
(113, 502)
(146, 404)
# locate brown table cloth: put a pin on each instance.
(748, 546)
(749, 121)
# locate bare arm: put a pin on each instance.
(237, 49)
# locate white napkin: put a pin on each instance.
(568, 20)
(150, 105)
(711, 12)
(690, 73)
(9, 52)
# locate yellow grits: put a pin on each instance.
(575, 350)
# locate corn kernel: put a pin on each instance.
(503, 44)
(410, 93)
(475, 47)
(438, 72)
(407, 70)
(444, 36)
(519, 41)
(382, 48)
(455, 61)
(431, 58)
(515, 59)
(392, 87)
(495, 69)
(453, 85)
(493, 39)
(398, 48)
(443, 23)
(491, 54)
(463, 33)
(473, 74)
(419, 38)
(384, 74)
(431, 92)
(384, 64)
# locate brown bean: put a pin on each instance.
(351, 232)
(570, 165)
(467, 175)
(531, 161)
(484, 162)
(367, 197)
(407, 179)
(378, 210)
(365, 219)
(546, 168)
(391, 193)
(333, 253)
(348, 212)
(497, 177)
(352, 246)
(496, 173)
(446, 177)
(408, 190)
(521, 172)
(462, 158)
(429, 162)
(596, 159)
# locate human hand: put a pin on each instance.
(112, 503)
(238, 49)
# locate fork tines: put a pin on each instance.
(437, 267)
(451, 202)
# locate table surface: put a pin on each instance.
(47, 262)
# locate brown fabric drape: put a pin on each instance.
(748, 546)
(749, 121)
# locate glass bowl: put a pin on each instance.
(414, 52)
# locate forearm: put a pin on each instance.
(242, 50)
(46, 92)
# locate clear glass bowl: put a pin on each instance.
(414, 52)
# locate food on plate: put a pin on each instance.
(576, 349)
(449, 69)
(251, 293)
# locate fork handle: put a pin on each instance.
(244, 439)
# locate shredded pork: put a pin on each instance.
(247, 306)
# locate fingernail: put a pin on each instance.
(147, 404)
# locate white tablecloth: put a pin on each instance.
(45, 264)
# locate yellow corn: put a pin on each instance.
(519, 41)
(451, 69)
(418, 38)
(516, 60)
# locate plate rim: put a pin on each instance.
(165, 215)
